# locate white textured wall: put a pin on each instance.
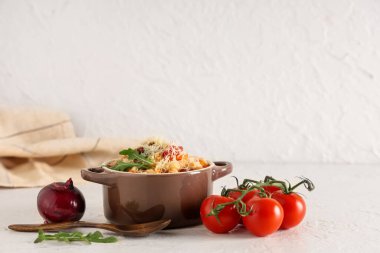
(258, 80)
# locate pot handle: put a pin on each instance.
(98, 175)
(221, 169)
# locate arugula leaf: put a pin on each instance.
(75, 236)
(134, 155)
(41, 237)
(123, 166)
(98, 237)
(139, 161)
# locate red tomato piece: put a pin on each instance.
(265, 218)
(294, 208)
(228, 217)
(173, 151)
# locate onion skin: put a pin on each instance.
(59, 202)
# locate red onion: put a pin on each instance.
(58, 202)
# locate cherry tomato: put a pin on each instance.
(228, 217)
(248, 196)
(294, 208)
(265, 218)
(270, 188)
(234, 195)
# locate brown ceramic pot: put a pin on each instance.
(131, 198)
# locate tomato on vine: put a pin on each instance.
(294, 208)
(271, 188)
(293, 204)
(263, 206)
(235, 194)
(265, 216)
(219, 220)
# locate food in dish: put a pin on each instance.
(155, 156)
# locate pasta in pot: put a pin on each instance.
(155, 156)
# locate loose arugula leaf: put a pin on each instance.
(98, 237)
(109, 239)
(134, 155)
(41, 237)
(75, 236)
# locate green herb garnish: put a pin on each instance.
(134, 155)
(139, 161)
(123, 166)
(75, 236)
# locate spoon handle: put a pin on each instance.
(52, 226)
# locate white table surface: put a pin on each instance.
(343, 216)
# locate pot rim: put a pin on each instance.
(103, 166)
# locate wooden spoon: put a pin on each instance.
(142, 229)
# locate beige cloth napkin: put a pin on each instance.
(39, 146)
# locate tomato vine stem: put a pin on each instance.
(309, 185)
(239, 204)
(286, 187)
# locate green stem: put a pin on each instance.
(237, 181)
(306, 182)
(268, 178)
(248, 182)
